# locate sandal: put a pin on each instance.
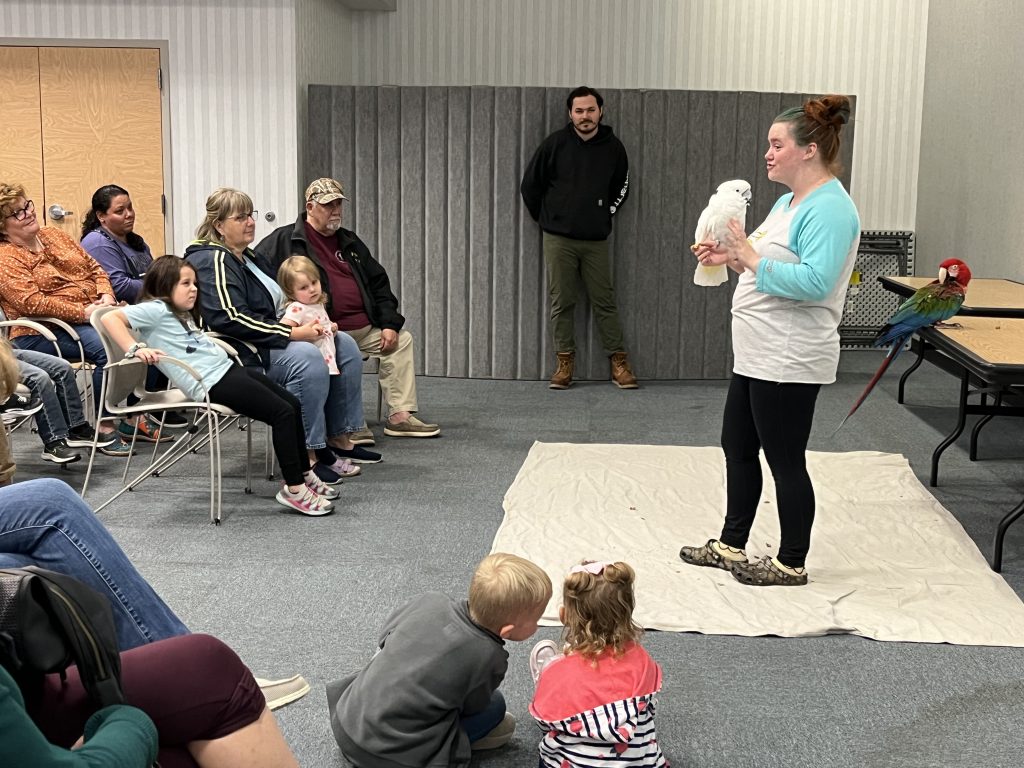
(706, 556)
(765, 573)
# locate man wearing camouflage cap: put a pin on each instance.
(359, 300)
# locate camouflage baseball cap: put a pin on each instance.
(325, 191)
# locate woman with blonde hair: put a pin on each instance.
(240, 299)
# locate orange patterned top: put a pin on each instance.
(59, 282)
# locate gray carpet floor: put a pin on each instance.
(293, 594)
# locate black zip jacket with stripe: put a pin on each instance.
(234, 303)
(573, 187)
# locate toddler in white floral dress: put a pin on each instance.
(300, 280)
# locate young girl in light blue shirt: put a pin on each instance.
(167, 323)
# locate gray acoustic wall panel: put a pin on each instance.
(433, 175)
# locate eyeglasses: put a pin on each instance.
(22, 213)
(243, 216)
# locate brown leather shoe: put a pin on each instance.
(562, 377)
(622, 374)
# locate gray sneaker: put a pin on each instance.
(59, 453)
(411, 427)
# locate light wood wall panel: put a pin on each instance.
(872, 48)
(90, 138)
(433, 176)
(21, 123)
(232, 80)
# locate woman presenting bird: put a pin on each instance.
(793, 273)
(930, 305)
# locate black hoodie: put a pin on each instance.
(573, 187)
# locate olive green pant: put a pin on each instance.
(567, 260)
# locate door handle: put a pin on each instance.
(57, 212)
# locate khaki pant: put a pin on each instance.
(397, 376)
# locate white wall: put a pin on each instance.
(872, 48)
(232, 89)
(972, 171)
(236, 68)
(323, 35)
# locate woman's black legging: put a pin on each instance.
(252, 394)
(776, 418)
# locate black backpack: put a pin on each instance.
(49, 621)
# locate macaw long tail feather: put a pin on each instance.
(894, 352)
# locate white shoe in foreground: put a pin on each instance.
(281, 692)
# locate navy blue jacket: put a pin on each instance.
(233, 302)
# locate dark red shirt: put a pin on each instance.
(347, 309)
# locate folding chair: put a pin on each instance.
(126, 376)
(39, 325)
(226, 343)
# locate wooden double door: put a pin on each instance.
(75, 119)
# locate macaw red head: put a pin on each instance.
(954, 269)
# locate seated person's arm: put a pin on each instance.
(118, 327)
(116, 737)
(20, 290)
(114, 263)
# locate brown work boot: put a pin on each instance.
(622, 374)
(562, 377)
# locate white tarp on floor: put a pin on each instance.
(887, 561)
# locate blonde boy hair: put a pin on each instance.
(598, 611)
(504, 588)
(294, 267)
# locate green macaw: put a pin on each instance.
(930, 305)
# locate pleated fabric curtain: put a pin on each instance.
(433, 175)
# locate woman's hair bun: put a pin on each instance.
(831, 110)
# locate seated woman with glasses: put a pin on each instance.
(44, 273)
(108, 235)
(240, 298)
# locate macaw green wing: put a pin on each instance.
(929, 305)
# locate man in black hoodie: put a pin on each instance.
(576, 181)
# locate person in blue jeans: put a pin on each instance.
(61, 421)
(45, 523)
(240, 299)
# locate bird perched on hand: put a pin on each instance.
(930, 305)
(729, 202)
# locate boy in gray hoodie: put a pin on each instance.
(429, 696)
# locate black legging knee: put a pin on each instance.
(252, 394)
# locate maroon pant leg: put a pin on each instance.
(193, 687)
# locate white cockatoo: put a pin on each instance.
(729, 202)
